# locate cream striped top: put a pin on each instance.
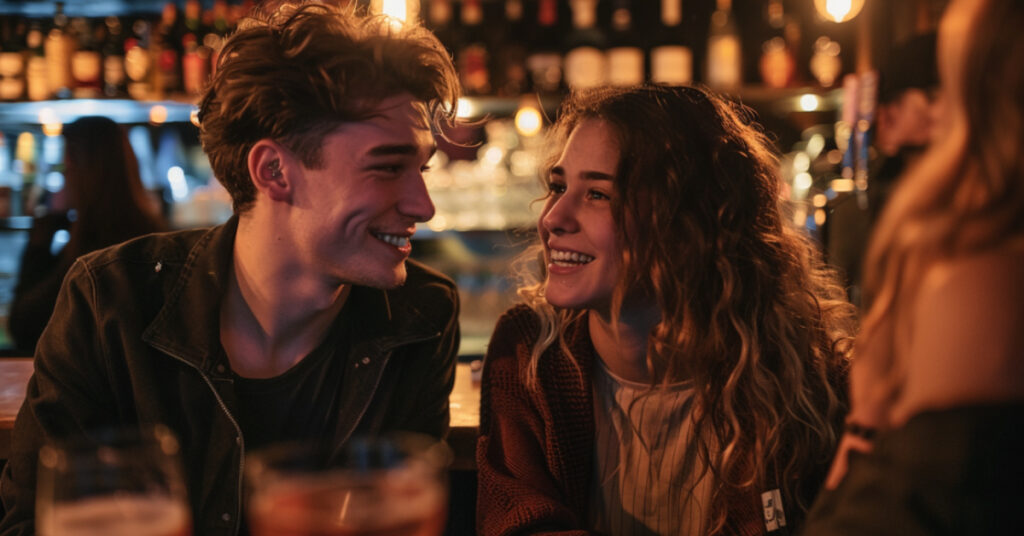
(645, 478)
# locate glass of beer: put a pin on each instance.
(115, 482)
(390, 486)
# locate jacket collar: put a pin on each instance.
(188, 324)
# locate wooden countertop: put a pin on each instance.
(464, 402)
(14, 374)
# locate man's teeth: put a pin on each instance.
(568, 258)
(394, 240)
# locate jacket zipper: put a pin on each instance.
(238, 432)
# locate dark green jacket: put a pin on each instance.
(135, 339)
(955, 472)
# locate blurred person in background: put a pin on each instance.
(103, 203)
(908, 98)
(678, 366)
(936, 428)
(302, 318)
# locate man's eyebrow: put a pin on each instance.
(586, 175)
(400, 149)
(393, 149)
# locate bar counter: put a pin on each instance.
(464, 401)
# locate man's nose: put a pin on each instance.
(415, 201)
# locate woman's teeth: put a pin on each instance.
(568, 258)
(394, 240)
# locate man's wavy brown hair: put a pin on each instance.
(295, 73)
(748, 310)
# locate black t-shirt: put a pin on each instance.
(302, 402)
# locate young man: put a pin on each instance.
(300, 318)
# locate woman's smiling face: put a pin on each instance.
(583, 254)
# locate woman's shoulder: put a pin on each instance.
(983, 279)
(965, 338)
(517, 328)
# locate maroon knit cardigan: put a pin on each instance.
(535, 451)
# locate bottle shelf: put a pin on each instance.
(30, 113)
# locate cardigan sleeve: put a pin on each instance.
(517, 493)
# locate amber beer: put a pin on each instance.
(386, 508)
(131, 515)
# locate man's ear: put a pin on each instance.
(271, 167)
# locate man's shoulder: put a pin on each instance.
(420, 274)
(425, 284)
(167, 248)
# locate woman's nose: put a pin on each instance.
(559, 216)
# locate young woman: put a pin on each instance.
(938, 385)
(105, 203)
(678, 365)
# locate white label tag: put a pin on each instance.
(774, 515)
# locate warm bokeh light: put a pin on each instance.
(158, 114)
(841, 185)
(528, 121)
(803, 181)
(466, 109)
(401, 11)
(53, 129)
(25, 147)
(52, 125)
(801, 162)
(838, 10)
(809, 102)
(820, 200)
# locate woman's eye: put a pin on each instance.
(425, 168)
(556, 188)
(594, 194)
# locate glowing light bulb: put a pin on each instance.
(838, 10)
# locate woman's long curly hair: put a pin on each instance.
(967, 193)
(748, 310)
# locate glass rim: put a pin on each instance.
(321, 457)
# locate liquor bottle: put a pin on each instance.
(195, 64)
(625, 55)
(777, 65)
(59, 48)
(137, 61)
(193, 18)
(724, 66)
(12, 59)
(87, 61)
(114, 77)
(37, 72)
(166, 52)
(585, 62)
(671, 60)
(439, 19)
(510, 77)
(473, 57)
(221, 15)
(545, 61)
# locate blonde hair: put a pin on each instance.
(748, 310)
(967, 193)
